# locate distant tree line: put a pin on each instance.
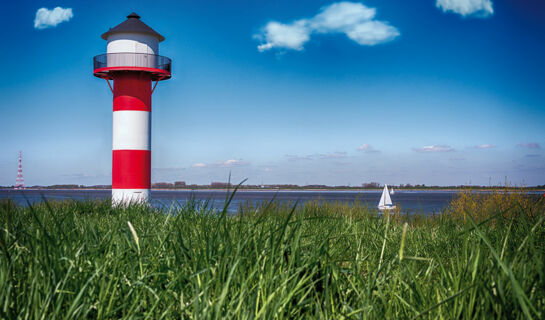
(227, 185)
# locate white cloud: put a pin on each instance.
(372, 32)
(291, 36)
(199, 165)
(321, 156)
(46, 18)
(367, 148)
(531, 145)
(292, 157)
(334, 155)
(232, 163)
(222, 164)
(434, 148)
(479, 8)
(485, 146)
(341, 16)
(351, 18)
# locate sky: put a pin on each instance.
(435, 92)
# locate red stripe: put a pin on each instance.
(131, 169)
(156, 73)
(132, 91)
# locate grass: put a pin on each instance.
(66, 260)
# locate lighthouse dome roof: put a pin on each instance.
(133, 24)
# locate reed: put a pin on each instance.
(318, 260)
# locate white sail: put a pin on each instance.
(385, 202)
(385, 199)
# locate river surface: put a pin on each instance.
(409, 201)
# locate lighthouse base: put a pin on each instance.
(125, 197)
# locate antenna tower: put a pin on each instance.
(20, 181)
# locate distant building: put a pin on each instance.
(315, 186)
(219, 184)
(162, 185)
(370, 185)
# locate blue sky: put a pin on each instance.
(305, 92)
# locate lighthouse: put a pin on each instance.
(132, 67)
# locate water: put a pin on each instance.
(410, 201)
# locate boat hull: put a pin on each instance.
(382, 208)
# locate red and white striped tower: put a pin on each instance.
(133, 64)
(20, 181)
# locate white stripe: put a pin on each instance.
(128, 196)
(132, 130)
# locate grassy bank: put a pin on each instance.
(484, 258)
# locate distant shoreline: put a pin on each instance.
(288, 189)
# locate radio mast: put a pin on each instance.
(20, 181)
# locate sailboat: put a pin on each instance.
(385, 202)
(392, 192)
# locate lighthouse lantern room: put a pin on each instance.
(132, 62)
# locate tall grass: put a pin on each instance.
(63, 260)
